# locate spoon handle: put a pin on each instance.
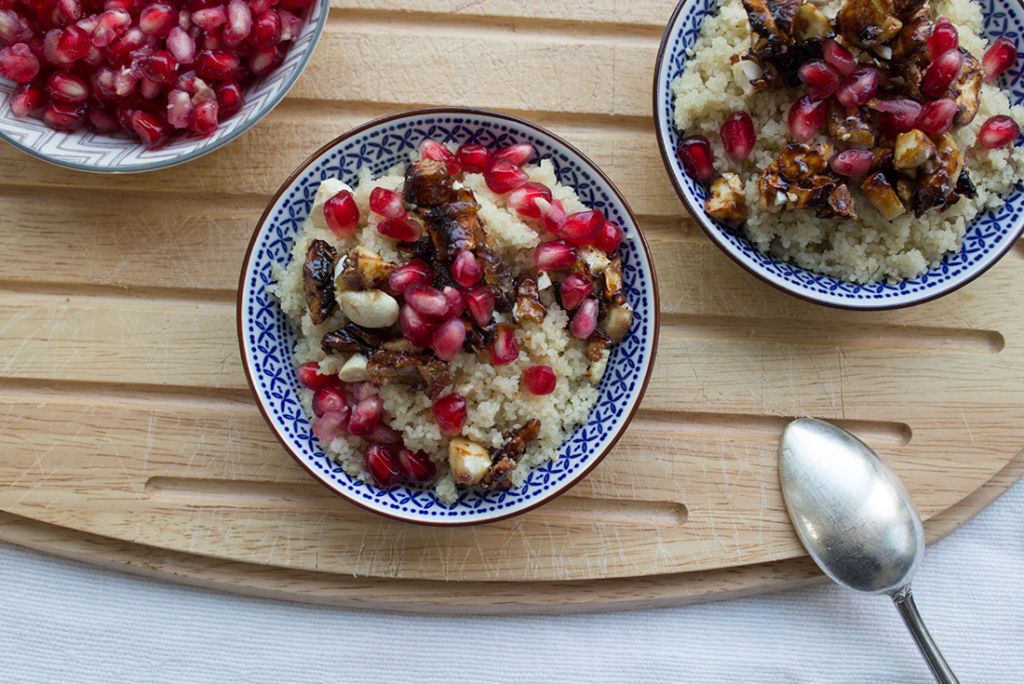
(904, 601)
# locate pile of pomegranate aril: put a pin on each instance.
(145, 68)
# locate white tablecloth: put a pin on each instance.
(62, 621)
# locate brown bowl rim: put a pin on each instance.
(429, 111)
(700, 217)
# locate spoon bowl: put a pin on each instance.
(855, 518)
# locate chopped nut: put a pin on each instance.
(726, 202)
(468, 461)
(966, 89)
(913, 148)
(745, 72)
(596, 370)
(369, 308)
(868, 22)
(883, 196)
(811, 23)
(618, 321)
(362, 269)
(354, 370)
(596, 260)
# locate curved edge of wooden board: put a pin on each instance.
(459, 597)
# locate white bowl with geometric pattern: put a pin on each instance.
(989, 236)
(267, 340)
(84, 150)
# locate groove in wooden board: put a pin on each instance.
(464, 597)
(96, 463)
(445, 26)
(646, 13)
(568, 509)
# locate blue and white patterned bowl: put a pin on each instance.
(87, 151)
(267, 340)
(988, 237)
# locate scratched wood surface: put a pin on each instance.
(128, 435)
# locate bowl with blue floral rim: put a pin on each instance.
(267, 340)
(988, 237)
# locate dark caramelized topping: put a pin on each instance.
(318, 280)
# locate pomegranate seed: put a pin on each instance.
(403, 228)
(365, 416)
(583, 227)
(431, 149)
(937, 116)
(64, 116)
(695, 154)
(210, 18)
(897, 116)
(341, 214)
(216, 64)
(179, 109)
(998, 58)
(426, 300)
(416, 328)
(456, 302)
(103, 120)
(261, 6)
(109, 26)
(383, 466)
(160, 67)
(857, 88)
(998, 131)
(552, 215)
(94, 57)
(584, 321)
(418, 467)
(28, 99)
(941, 72)
(474, 158)
(944, 37)
(805, 118)
(329, 399)
(266, 30)
(181, 46)
(517, 154)
(266, 60)
(213, 40)
(151, 130)
(738, 135)
(149, 88)
(505, 349)
(416, 271)
(480, 303)
(503, 176)
(14, 28)
(291, 25)
(821, 79)
(124, 83)
(386, 203)
(610, 238)
(51, 49)
(384, 434)
(239, 22)
(574, 289)
(330, 426)
(120, 50)
(18, 64)
(448, 339)
(523, 199)
(466, 269)
(67, 12)
(838, 57)
(204, 118)
(554, 255)
(74, 43)
(853, 163)
(450, 413)
(230, 99)
(539, 380)
(158, 19)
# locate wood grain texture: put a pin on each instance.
(128, 435)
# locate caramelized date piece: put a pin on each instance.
(318, 280)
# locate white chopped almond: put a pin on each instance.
(354, 370)
(329, 187)
(912, 149)
(543, 280)
(743, 72)
(596, 370)
(596, 260)
(369, 308)
(468, 461)
(618, 321)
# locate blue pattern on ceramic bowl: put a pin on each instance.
(87, 151)
(988, 237)
(267, 340)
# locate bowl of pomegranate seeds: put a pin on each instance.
(448, 316)
(138, 85)
(855, 153)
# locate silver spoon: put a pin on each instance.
(855, 518)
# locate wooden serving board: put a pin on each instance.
(128, 436)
